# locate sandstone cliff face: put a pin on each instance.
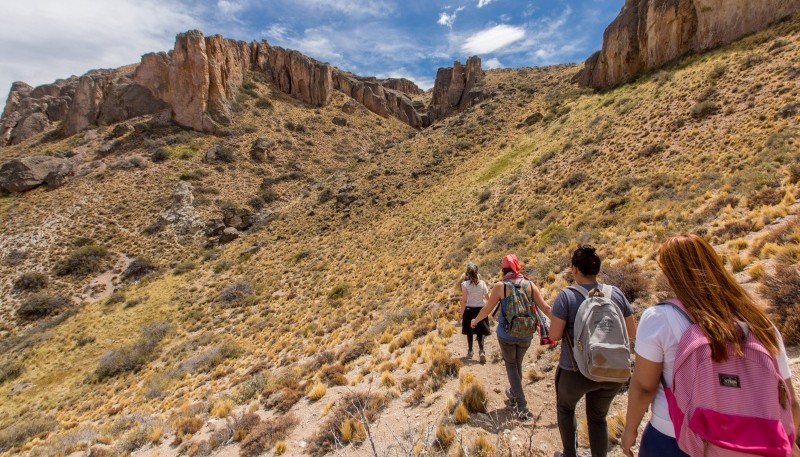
(649, 33)
(379, 99)
(200, 78)
(456, 88)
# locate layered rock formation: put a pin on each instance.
(456, 88)
(197, 81)
(650, 33)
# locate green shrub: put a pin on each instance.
(134, 356)
(10, 371)
(263, 103)
(31, 281)
(138, 269)
(85, 260)
(40, 305)
(22, 430)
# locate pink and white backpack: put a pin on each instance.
(735, 408)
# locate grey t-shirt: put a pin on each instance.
(566, 308)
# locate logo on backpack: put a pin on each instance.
(707, 419)
(601, 349)
(520, 318)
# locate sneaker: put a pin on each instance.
(469, 355)
(558, 454)
(483, 358)
(510, 396)
(524, 415)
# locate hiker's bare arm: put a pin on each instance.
(795, 412)
(557, 327)
(463, 300)
(630, 325)
(494, 297)
(643, 387)
(540, 301)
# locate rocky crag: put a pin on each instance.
(196, 82)
(650, 33)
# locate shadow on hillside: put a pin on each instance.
(499, 419)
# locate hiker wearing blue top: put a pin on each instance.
(514, 284)
(571, 384)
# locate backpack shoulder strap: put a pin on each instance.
(607, 290)
(580, 290)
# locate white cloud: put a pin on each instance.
(493, 63)
(448, 19)
(482, 3)
(353, 8)
(277, 32)
(492, 39)
(43, 40)
(229, 8)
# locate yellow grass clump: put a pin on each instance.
(317, 391)
(482, 447)
(387, 379)
(222, 408)
(280, 448)
(461, 414)
(445, 434)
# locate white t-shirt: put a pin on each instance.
(475, 293)
(657, 339)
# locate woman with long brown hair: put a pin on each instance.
(473, 294)
(709, 297)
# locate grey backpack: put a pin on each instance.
(601, 349)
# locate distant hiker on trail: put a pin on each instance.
(587, 313)
(518, 322)
(713, 357)
(473, 295)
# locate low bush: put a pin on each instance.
(629, 278)
(84, 260)
(573, 180)
(134, 356)
(235, 294)
(138, 269)
(10, 371)
(21, 431)
(705, 109)
(267, 434)
(32, 281)
(40, 305)
(347, 422)
(159, 155)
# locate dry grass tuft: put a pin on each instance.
(317, 391)
(461, 414)
(445, 435)
(267, 434)
(348, 422)
(482, 447)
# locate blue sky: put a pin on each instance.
(42, 40)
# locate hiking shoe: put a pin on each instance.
(469, 355)
(558, 454)
(483, 358)
(524, 415)
(510, 396)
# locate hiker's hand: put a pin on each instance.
(473, 323)
(628, 440)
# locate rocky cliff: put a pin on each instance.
(456, 88)
(649, 33)
(196, 82)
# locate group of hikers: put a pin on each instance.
(709, 363)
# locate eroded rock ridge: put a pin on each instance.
(650, 33)
(196, 82)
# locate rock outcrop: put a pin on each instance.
(650, 33)
(196, 83)
(21, 175)
(181, 214)
(457, 88)
(380, 100)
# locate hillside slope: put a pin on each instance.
(347, 278)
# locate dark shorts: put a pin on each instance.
(481, 329)
(657, 444)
